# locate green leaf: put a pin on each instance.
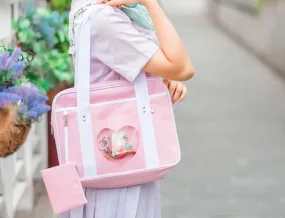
(24, 24)
(44, 85)
(61, 36)
(10, 50)
(56, 41)
(37, 47)
(15, 25)
(43, 12)
(31, 35)
(60, 62)
(23, 36)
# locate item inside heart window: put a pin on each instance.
(118, 144)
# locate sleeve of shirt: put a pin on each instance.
(118, 44)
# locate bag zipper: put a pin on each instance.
(65, 124)
(51, 129)
(112, 102)
(112, 84)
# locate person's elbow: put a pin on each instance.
(184, 71)
(179, 69)
(187, 73)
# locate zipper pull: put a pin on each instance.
(65, 119)
(51, 129)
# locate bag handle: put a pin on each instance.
(82, 84)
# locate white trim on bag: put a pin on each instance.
(167, 166)
(73, 90)
(146, 122)
(82, 83)
(125, 100)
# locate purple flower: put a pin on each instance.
(6, 97)
(32, 102)
(42, 98)
(24, 91)
(3, 60)
(23, 109)
(17, 69)
(13, 58)
(13, 89)
(41, 109)
(32, 115)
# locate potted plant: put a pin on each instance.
(21, 103)
(45, 33)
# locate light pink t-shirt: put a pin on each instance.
(119, 47)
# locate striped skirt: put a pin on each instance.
(131, 202)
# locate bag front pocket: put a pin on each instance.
(114, 122)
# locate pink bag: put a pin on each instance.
(118, 133)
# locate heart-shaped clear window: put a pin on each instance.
(118, 144)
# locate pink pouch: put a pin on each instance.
(64, 187)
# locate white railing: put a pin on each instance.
(18, 171)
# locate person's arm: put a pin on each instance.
(171, 61)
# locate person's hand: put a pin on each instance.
(119, 3)
(108, 2)
(176, 89)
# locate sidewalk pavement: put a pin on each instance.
(231, 129)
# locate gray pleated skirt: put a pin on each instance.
(131, 202)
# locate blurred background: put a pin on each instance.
(231, 126)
